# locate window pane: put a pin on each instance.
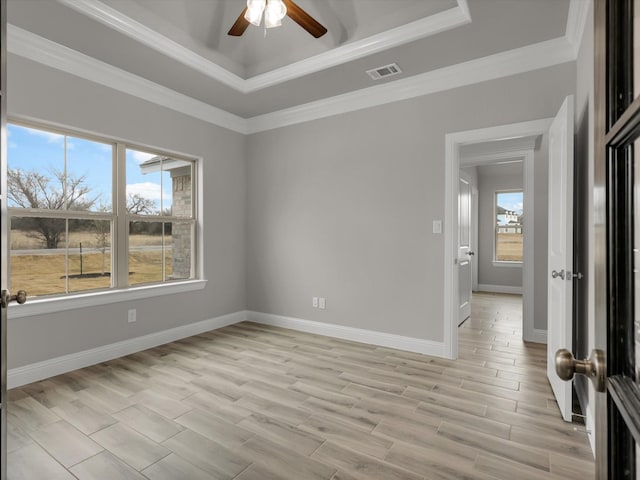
(89, 177)
(178, 236)
(89, 254)
(38, 259)
(158, 185)
(144, 183)
(509, 233)
(145, 252)
(36, 168)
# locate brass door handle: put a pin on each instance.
(7, 298)
(594, 367)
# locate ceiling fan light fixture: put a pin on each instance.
(274, 13)
(254, 11)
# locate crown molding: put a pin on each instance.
(116, 20)
(424, 27)
(512, 62)
(112, 18)
(576, 22)
(34, 47)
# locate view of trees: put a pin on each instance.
(36, 190)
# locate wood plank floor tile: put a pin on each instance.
(361, 466)
(130, 446)
(32, 462)
(29, 414)
(86, 419)
(434, 464)
(148, 423)
(65, 443)
(500, 447)
(286, 464)
(256, 402)
(104, 466)
(297, 440)
(207, 455)
(344, 434)
(174, 467)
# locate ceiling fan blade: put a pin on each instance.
(240, 26)
(305, 20)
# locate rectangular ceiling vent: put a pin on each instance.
(383, 72)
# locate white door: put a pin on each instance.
(464, 249)
(559, 281)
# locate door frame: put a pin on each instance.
(453, 141)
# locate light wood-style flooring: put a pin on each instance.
(251, 402)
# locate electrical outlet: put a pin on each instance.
(322, 303)
(131, 316)
(315, 302)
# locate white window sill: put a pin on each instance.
(507, 264)
(42, 306)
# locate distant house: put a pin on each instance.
(508, 221)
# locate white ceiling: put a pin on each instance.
(182, 45)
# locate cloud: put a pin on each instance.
(148, 190)
(48, 136)
(141, 157)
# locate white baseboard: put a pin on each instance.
(67, 363)
(483, 287)
(589, 422)
(536, 335)
(417, 345)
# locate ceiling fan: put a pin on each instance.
(274, 11)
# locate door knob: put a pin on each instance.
(471, 253)
(7, 298)
(555, 274)
(593, 367)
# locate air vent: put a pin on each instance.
(383, 72)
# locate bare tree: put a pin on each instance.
(138, 205)
(32, 189)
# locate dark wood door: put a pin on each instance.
(617, 214)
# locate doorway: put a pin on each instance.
(455, 144)
(497, 215)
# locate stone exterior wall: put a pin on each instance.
(181, 233)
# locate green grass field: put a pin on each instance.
(46, 274)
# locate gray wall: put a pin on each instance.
(339, 207)
(493, 178)
(342, 207)
(51, 95)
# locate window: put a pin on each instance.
(509, 216)
(89, 214)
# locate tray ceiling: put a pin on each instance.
(182, 44)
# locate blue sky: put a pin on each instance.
(512, 201)
(36, 150)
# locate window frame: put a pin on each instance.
(495, 261)
(120, 289)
